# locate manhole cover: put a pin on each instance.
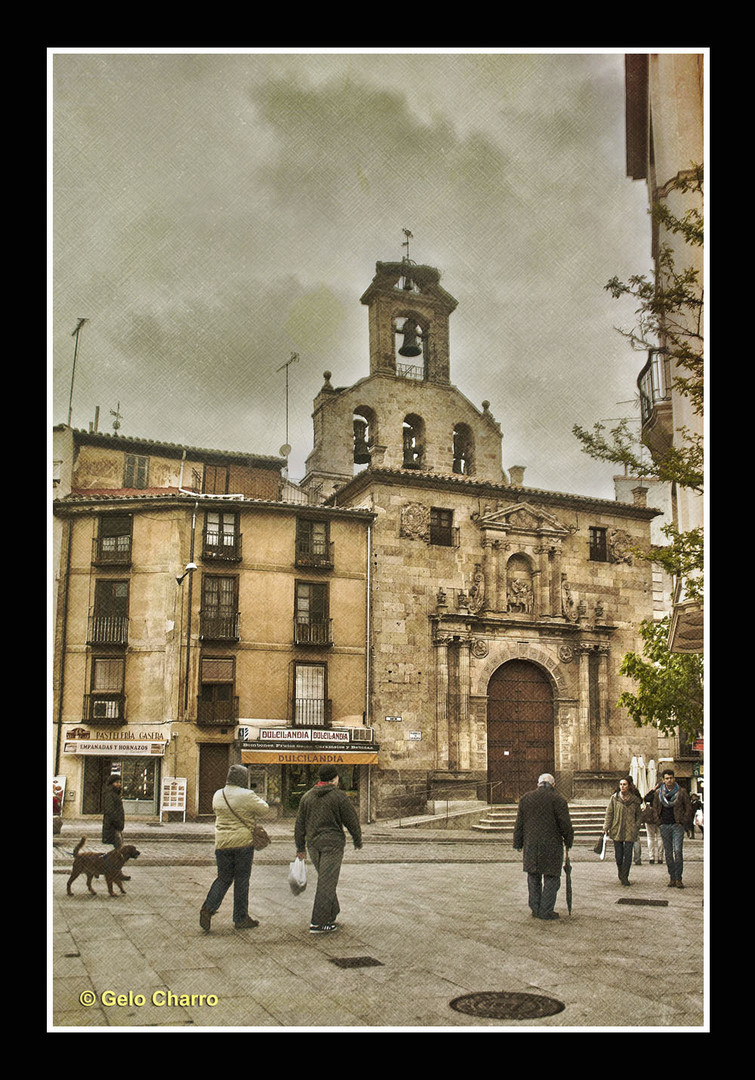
(355, 961)
(646, 903)
(507, 1006)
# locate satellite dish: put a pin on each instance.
(285, 450)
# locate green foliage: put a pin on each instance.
(669, 321)
(669, 690)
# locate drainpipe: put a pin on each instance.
(188, 617)
(368, 658)
(63, 639)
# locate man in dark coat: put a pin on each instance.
(324, 812)
(543, 827)
(113, 816)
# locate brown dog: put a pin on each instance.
(95, 864)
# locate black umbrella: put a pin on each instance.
(567, 871)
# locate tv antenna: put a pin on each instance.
(118, 417)
(285, 450)
(75, 334)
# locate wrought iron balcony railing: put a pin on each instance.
(313, 712)
(111, 551)
(313, 631)
(219, 627)
(314, 553)
(221, 547)
(107, 630)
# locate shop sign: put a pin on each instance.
(286, 735)
(308, 757)
(139, 742)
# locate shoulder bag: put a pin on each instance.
(260, 839)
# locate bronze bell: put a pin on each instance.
(411, 346)
(361, 448)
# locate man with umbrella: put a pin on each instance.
(543, 827)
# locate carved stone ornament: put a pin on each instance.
(415, 522)
(480, 648)
(477, 591)
(619, 546)
(565, 654)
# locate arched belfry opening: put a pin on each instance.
(414, 441)
(364, 425)
(521, 729)
(463, 450)
(411, 347)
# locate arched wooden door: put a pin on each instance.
(520, 729)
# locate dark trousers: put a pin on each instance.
(234, 868)
(543, 889)
(622, 850)
(326, 853)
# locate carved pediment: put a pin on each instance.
(521, 518)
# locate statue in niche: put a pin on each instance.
(519, 597)
(477, 591)
(568, 607)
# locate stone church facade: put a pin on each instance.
(499, 614)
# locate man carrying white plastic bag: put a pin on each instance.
(324, 811)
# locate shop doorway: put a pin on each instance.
(213, 773)
(300, 778)
(520, 729)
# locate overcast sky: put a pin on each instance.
(214, 213)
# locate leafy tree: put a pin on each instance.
(669, 317)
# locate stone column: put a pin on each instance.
(442, 734)
(584, 748)
(544, 589)
(490, 571)
(464, 738)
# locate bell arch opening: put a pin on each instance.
(520, 728)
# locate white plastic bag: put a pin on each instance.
(603, 851)
(297, 876)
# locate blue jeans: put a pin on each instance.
(542, 889)
(234, 868)
(673, 841)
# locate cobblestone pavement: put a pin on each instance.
(425, 920)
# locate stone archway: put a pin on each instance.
(520, 728)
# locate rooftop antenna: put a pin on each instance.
(118, 417)
(75, 334)
(285, 450)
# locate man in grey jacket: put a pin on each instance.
(543, 826)
(324, 811)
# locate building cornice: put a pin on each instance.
(171, 450)
(487, 489)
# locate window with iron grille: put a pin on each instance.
(135, 471)
(219, 615)
(114, 540)
(106, 697)
(441, 527)
(310, 695)
(312, 542)
(108, 623)
(312, 624)
(221, 534)
(598, 545)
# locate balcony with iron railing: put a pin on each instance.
(655, 402)
(221, 547)
(107, 630)
(313, 631)
(313, 712)
(314, 553)
(414, 372)
(217, 713)
(213, 627)
(104, 707)
(111, 551)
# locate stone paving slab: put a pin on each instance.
(438, 930)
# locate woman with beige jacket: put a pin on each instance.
(622, 825)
